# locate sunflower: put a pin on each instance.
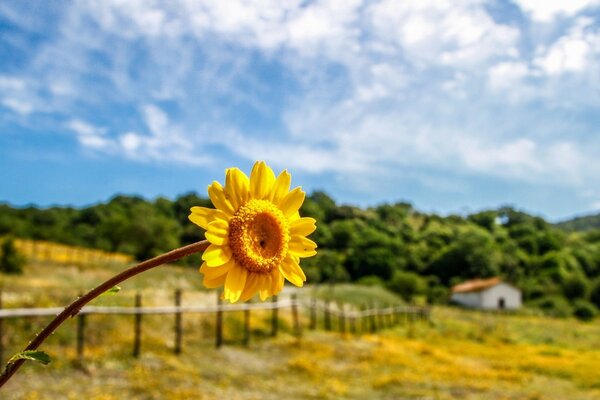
(256, 233)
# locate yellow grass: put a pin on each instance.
(462, 355)
(43, 251)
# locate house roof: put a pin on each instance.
(476, 285)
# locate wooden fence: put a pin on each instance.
(349, 319)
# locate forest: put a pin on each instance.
(415, 254)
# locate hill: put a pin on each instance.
(580, 224)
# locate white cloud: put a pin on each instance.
(351, 87)
(14, 95)
(84, 129)
(507, 74)
(460, 34)
(90, 136)
(547, 10)
(575, 52)
(156, 120)
(130, 141)
(11, 83)
(568, 54)
(19, 105)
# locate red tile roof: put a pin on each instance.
(476, 285)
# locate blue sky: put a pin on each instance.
(454, 106)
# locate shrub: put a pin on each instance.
(370, 280)
(407, 284)
(575, 287)
(11, 262)
(584, 310)
(556, 306)
(595, 293)
(438, 294)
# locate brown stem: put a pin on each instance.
(75, 306)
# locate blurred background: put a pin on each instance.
(446, 148)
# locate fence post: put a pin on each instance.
(313, 313)
(342, 319)
(373, 319)
(219, 322)
(246, 326)
(327, 317)
(363, 321)
(137, 329)
(1, 333)
(352, 321)
(380, 318)
(178, 328)
(80, 335)
(274, 318)
(297, 329)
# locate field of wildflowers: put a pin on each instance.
(460, 355)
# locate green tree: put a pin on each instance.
(575, 287)
(11, 261)
(595, 293)
(472, 254)
(407, 284)
(326, 266)
(585, 310)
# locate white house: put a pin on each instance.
(488, 294)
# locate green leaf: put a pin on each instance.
(112, 290)
(33, 355)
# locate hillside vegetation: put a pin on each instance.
(583, 223)
(415, 254)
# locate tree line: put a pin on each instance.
(416, 254)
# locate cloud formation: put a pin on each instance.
(470, 88)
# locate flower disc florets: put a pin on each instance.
(259, 236)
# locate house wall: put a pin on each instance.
(491, 296)
(468, 299)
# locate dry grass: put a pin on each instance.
(463, 355)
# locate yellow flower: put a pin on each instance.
(256, 233)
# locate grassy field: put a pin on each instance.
(461, 355)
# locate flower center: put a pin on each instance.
(259, 236)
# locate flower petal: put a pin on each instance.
(292, 271)
(219, 199)
(281, 186)
(277, 281)
(215, 272)
(218, 232)
(214, 283)
(292, 201)
(301, 246)
(251, 288)
(265, 287)
(303, 226)
(262, 179)
(216, 255)
(203, 216)
(237, 186)
(235, 282)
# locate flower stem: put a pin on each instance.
(74, 307)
